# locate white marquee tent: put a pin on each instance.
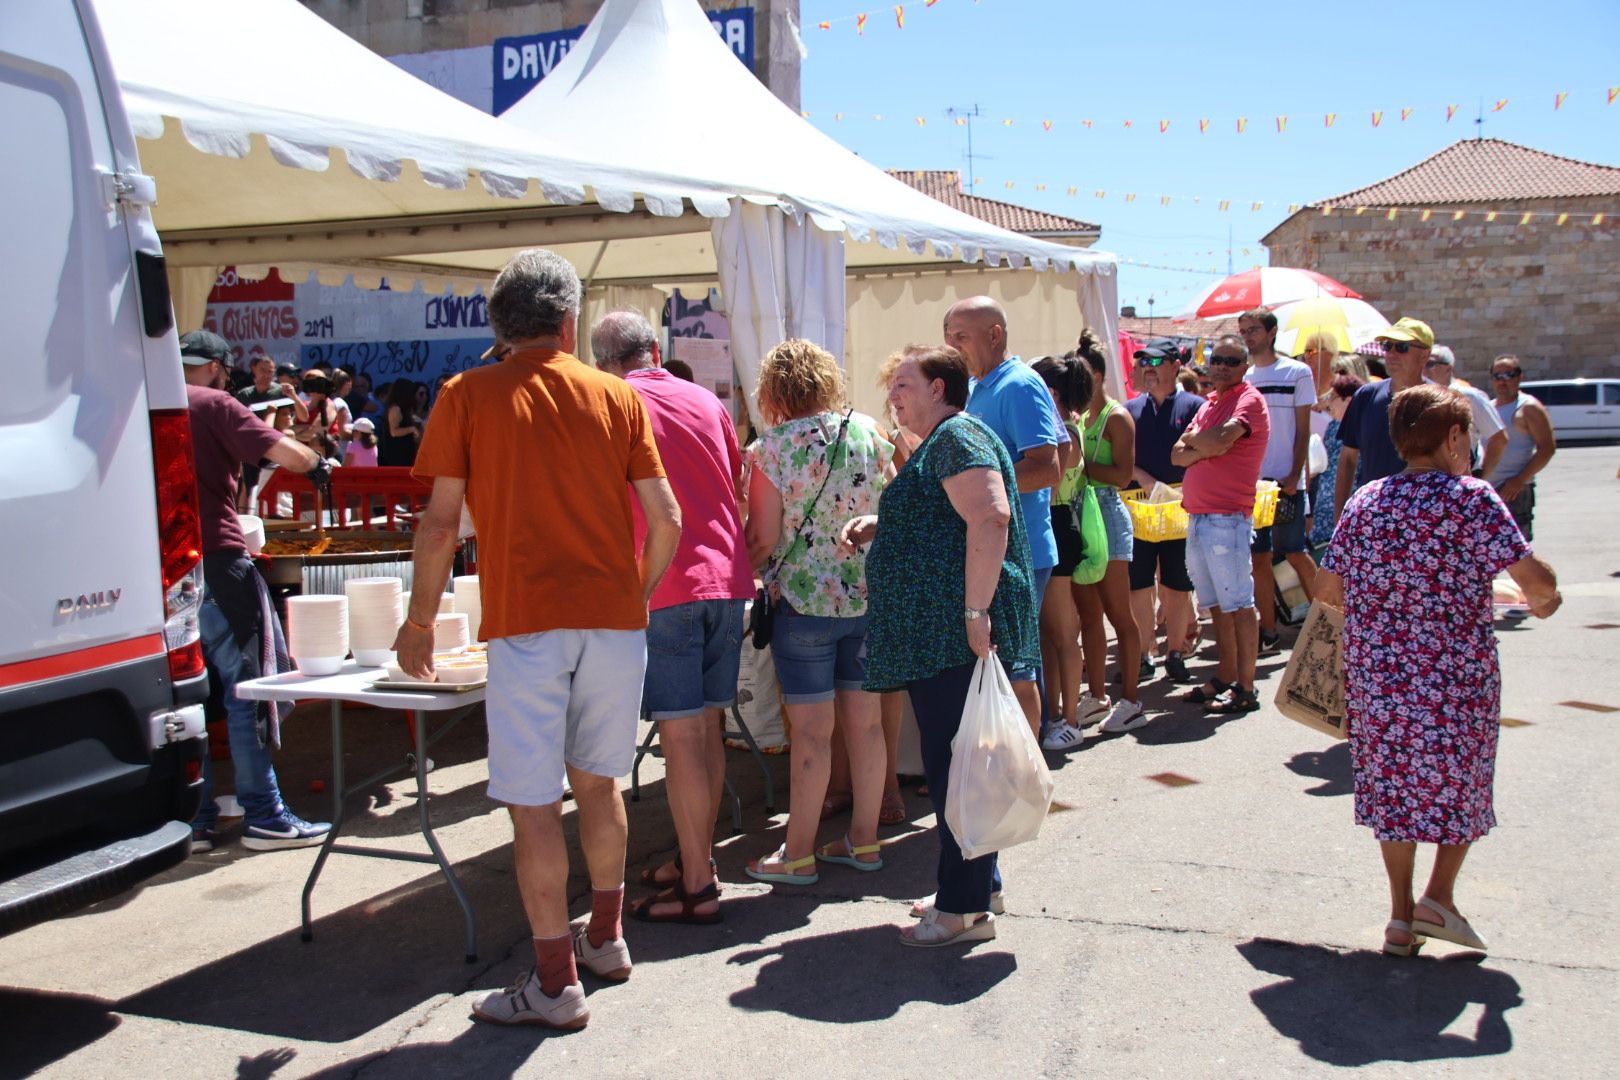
(336, 159)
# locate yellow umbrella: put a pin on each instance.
(1348, 322)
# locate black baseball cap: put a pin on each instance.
(1159, 349)
(200, 346)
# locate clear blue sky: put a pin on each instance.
(1068, 61)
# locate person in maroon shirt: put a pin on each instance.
(238, 623)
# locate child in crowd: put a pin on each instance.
(362, 450)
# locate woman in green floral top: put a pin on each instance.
(950, 579)
(817, 466)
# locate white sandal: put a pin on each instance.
(1455, 929)
(1410, 948)
(930, 933)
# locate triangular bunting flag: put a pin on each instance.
(1405, 115)
(1378, 118)
(1451, 110)
(1327, 121)
(900, 16)
(860, 24)
(1558, 100)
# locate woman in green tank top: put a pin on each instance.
(1069, 381)
(1109, 446)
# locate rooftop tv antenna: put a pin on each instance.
(966, 115)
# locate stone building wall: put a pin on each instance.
(397, 27)
(1549, 293)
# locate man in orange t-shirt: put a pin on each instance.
(546, 452)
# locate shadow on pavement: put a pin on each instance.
(1331, 766)
(1362, 1007)
(38, 1027)
(859, 975)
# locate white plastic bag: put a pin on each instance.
(1316, 456)
(1000, 788)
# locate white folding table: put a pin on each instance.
(353, 683)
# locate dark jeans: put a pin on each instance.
(1523, 509)
(965, 885)
(232, 625)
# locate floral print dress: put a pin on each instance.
(1418, 553)
(814, 576)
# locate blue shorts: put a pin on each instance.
(1041, 578)
(1219, 561)
(1285, 537)
(1116, 523)
(693, 653)
(816, 655)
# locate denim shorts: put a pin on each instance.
(816, 655)
(1041, 578)
(1116, 523)
(693, 654)
(1285, 537)
(1219, 561)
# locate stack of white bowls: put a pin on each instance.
(318, 633)
(469, 602)
(450, 633)
(376, 610)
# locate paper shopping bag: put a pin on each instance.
(1312, 689)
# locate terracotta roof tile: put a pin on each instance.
(1483, 171)
(1161, 326)
(946, 186)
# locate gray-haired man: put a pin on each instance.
(546, 452)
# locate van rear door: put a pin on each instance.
(78, 508)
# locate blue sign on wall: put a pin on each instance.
(520, 62)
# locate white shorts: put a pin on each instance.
(561, 696)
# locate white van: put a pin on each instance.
(1579, 408)
(101, 667)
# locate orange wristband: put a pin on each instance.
(420, 626)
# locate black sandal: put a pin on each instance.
(643, 909)
(650, 878)
(1235, 702)
(1199, 697)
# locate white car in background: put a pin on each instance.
(1579, 408)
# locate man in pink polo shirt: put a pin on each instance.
(1222, 450)
(695, 620)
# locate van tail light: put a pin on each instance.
(180, 540)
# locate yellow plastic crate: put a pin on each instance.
(1156, 522)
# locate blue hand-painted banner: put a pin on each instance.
(421, 360)
(521, 62)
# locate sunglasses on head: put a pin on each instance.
(1436, 363)
(1228, 361)
(1151, 361)
(1504, 376)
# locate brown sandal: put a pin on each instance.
(643, 909)
(893, 811)
(650, 878)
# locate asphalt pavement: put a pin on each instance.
(1199, 903)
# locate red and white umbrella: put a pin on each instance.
(1265, 286)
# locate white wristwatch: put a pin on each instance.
(975, 613)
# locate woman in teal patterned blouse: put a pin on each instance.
(948, 581)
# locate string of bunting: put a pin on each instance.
(1391, 213)
(1240, 124)
(860, 20)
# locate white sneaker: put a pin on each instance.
(1093, 709)
(1061, 736)
(1125, 716)
(609, 961)
(524, 1003)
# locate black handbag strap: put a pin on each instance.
(775, 564)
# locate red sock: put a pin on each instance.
(607, 905)
(554, 962)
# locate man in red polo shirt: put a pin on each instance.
(1222, 451)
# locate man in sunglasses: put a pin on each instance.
(1289, 387)
(1530, 443)
(1369, 453)
(1162, 412)
(1222, 450)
